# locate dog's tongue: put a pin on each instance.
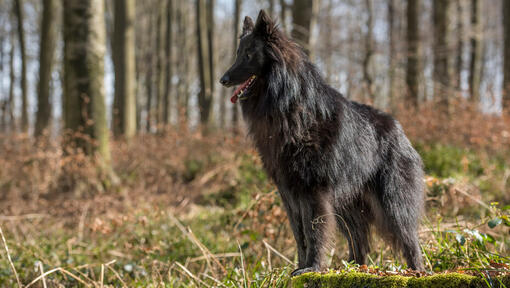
(235, 96)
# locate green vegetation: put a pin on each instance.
(232, 230)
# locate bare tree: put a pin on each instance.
(475, 68)
(205, 98)
(12, 80)
(506, 56)
(304, 18)
(184, 57)
(369, 50)
(459, 63)
(124, 116)
(46, 53)
(443, 62)
(160, 62)
(413, 51)
(169, 101)
(237, 17)
(18, 7)
(84, 92)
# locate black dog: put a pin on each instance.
(333, 160)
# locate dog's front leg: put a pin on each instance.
(318, 227)
(293, 209)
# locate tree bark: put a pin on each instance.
(184, 57)
(204, 62)
(160, 63)
(46, 54)
(237, 18)
(506, 56)
(413, 51)
(459, 45)
(443, 62)
(283, 15)
(18, 5)
(84, 92)
(169, 100)
(392, 31)
(12, 81)
(124, 116)
(369, 51)
(475, 69)
(304, 18)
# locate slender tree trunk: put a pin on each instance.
(413, 51)
(124, 118)
(506, 56)
(443, 62)
(392, 31)
(459, 45)
(18, 5)
(237, 17)
(475, 68)
(369, 51)
(205, 96)
(160, 63)
(283, 15)
(184, 59)
(271, 8)
(12, 81)
(304, 18)
(149, 79)
(212, 119)
(84, 92)
(46, 53)
(169, 100)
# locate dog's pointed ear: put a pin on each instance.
(247, 26)
(264, 25)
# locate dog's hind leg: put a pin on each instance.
(401, 200)
(318, 225)
(354, 222)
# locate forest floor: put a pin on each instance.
(188, 210)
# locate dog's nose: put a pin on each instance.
(225, 80)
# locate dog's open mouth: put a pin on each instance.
(240, 92)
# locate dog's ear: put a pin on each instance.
(247, 26)
(264, 26)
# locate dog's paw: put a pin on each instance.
(298, 272)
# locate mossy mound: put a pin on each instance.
(365, 280)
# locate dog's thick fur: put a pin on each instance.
(336, 163)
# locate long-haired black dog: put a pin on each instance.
(336, 163)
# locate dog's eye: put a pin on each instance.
(248, 56)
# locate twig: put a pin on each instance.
(277, 253)
(245, 282)
(224, 255)
(9, 258)
(185, 270)
(22, 217)
(42, 274)
(102, 275)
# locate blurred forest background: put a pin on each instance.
(122, 160)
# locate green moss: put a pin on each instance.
(358, 279)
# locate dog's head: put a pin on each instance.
(251, 55)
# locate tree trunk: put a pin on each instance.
(205, 96)
(184, 59)
(392, 31)
(443, 62)
(83, 91)
(12, 81)
(169, 100)
(475, 68)
(369, 51)
(149, 79)
(124, 116)
(413, 51)
(46, 53)
(506, 56)
(237, 17)
(304, 18)
(160, 63)
(18, 5)
(283, 15)
(459, 45)
(271, 8)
